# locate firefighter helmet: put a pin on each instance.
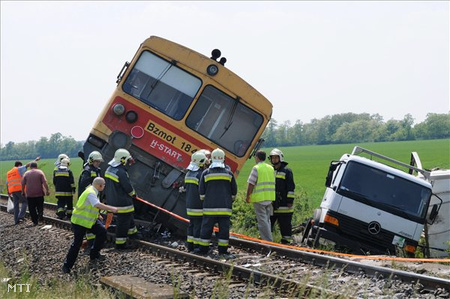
(276, 152)
(122, 156)
(198, 158)
(95, 156)
(206, 152)
(65, 162)
(217, 158)
(60, 157)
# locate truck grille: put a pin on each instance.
(358, 231)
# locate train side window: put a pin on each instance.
(162, 85)
(224, 120)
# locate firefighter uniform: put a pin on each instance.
(284, 188)
(89, 173)
(64, 189)
(120, 193)
(217, 190)
(194, 208)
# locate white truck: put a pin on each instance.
(371, 207)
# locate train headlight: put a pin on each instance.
(131, 117)
(118, 109)
(212, 69)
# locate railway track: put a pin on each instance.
(284, 268)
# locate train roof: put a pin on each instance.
(225, 77)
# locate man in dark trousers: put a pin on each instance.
(194, 206)
(84, 217)
(284, 188)
(35, 187)
(64, 188)
(120, 193)
(14, 185)
(218, 191)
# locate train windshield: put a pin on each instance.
(224, 120)
(385, 191)
(162, 85)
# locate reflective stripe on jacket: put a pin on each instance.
(87, 176)
(194, 206)
(217, 190)
(118, 191)
(285, 187)
(84, 214)
(14, 180)
(265, 185)
(64, 182)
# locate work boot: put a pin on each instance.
(98, 257)
(190, 246)
(65, 269)
(61, 215)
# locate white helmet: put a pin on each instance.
(65, 163)
(218, 158)
(198, 159)
(207, 154)
(95, 156)
(122, 156)
(277, 152)
(60, 157)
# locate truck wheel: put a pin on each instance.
(312, 239)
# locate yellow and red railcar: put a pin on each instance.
(171, 101)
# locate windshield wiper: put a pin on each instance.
(163, 73)
(230, 117)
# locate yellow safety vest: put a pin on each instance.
(265, 186)
(84, 214)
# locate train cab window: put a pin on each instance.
(224, 120)
(162, 85)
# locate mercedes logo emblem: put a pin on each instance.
(374, 228)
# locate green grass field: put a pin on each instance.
(309, 165)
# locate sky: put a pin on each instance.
(59, 60)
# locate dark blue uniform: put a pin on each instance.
(217, 190)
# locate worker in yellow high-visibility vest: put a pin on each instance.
(261, 192)
(84, 217)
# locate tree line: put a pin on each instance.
(355, 128)
(44, 147)
(335, 129)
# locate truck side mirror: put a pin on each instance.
(434, 210)
(433, 214)
(331, 169)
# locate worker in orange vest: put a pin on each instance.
(14, 184)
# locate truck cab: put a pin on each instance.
(370, 207)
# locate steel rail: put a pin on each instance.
(428, 282)
(215, 266)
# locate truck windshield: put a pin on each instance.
(385, 191)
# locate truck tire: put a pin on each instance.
(312, 239)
